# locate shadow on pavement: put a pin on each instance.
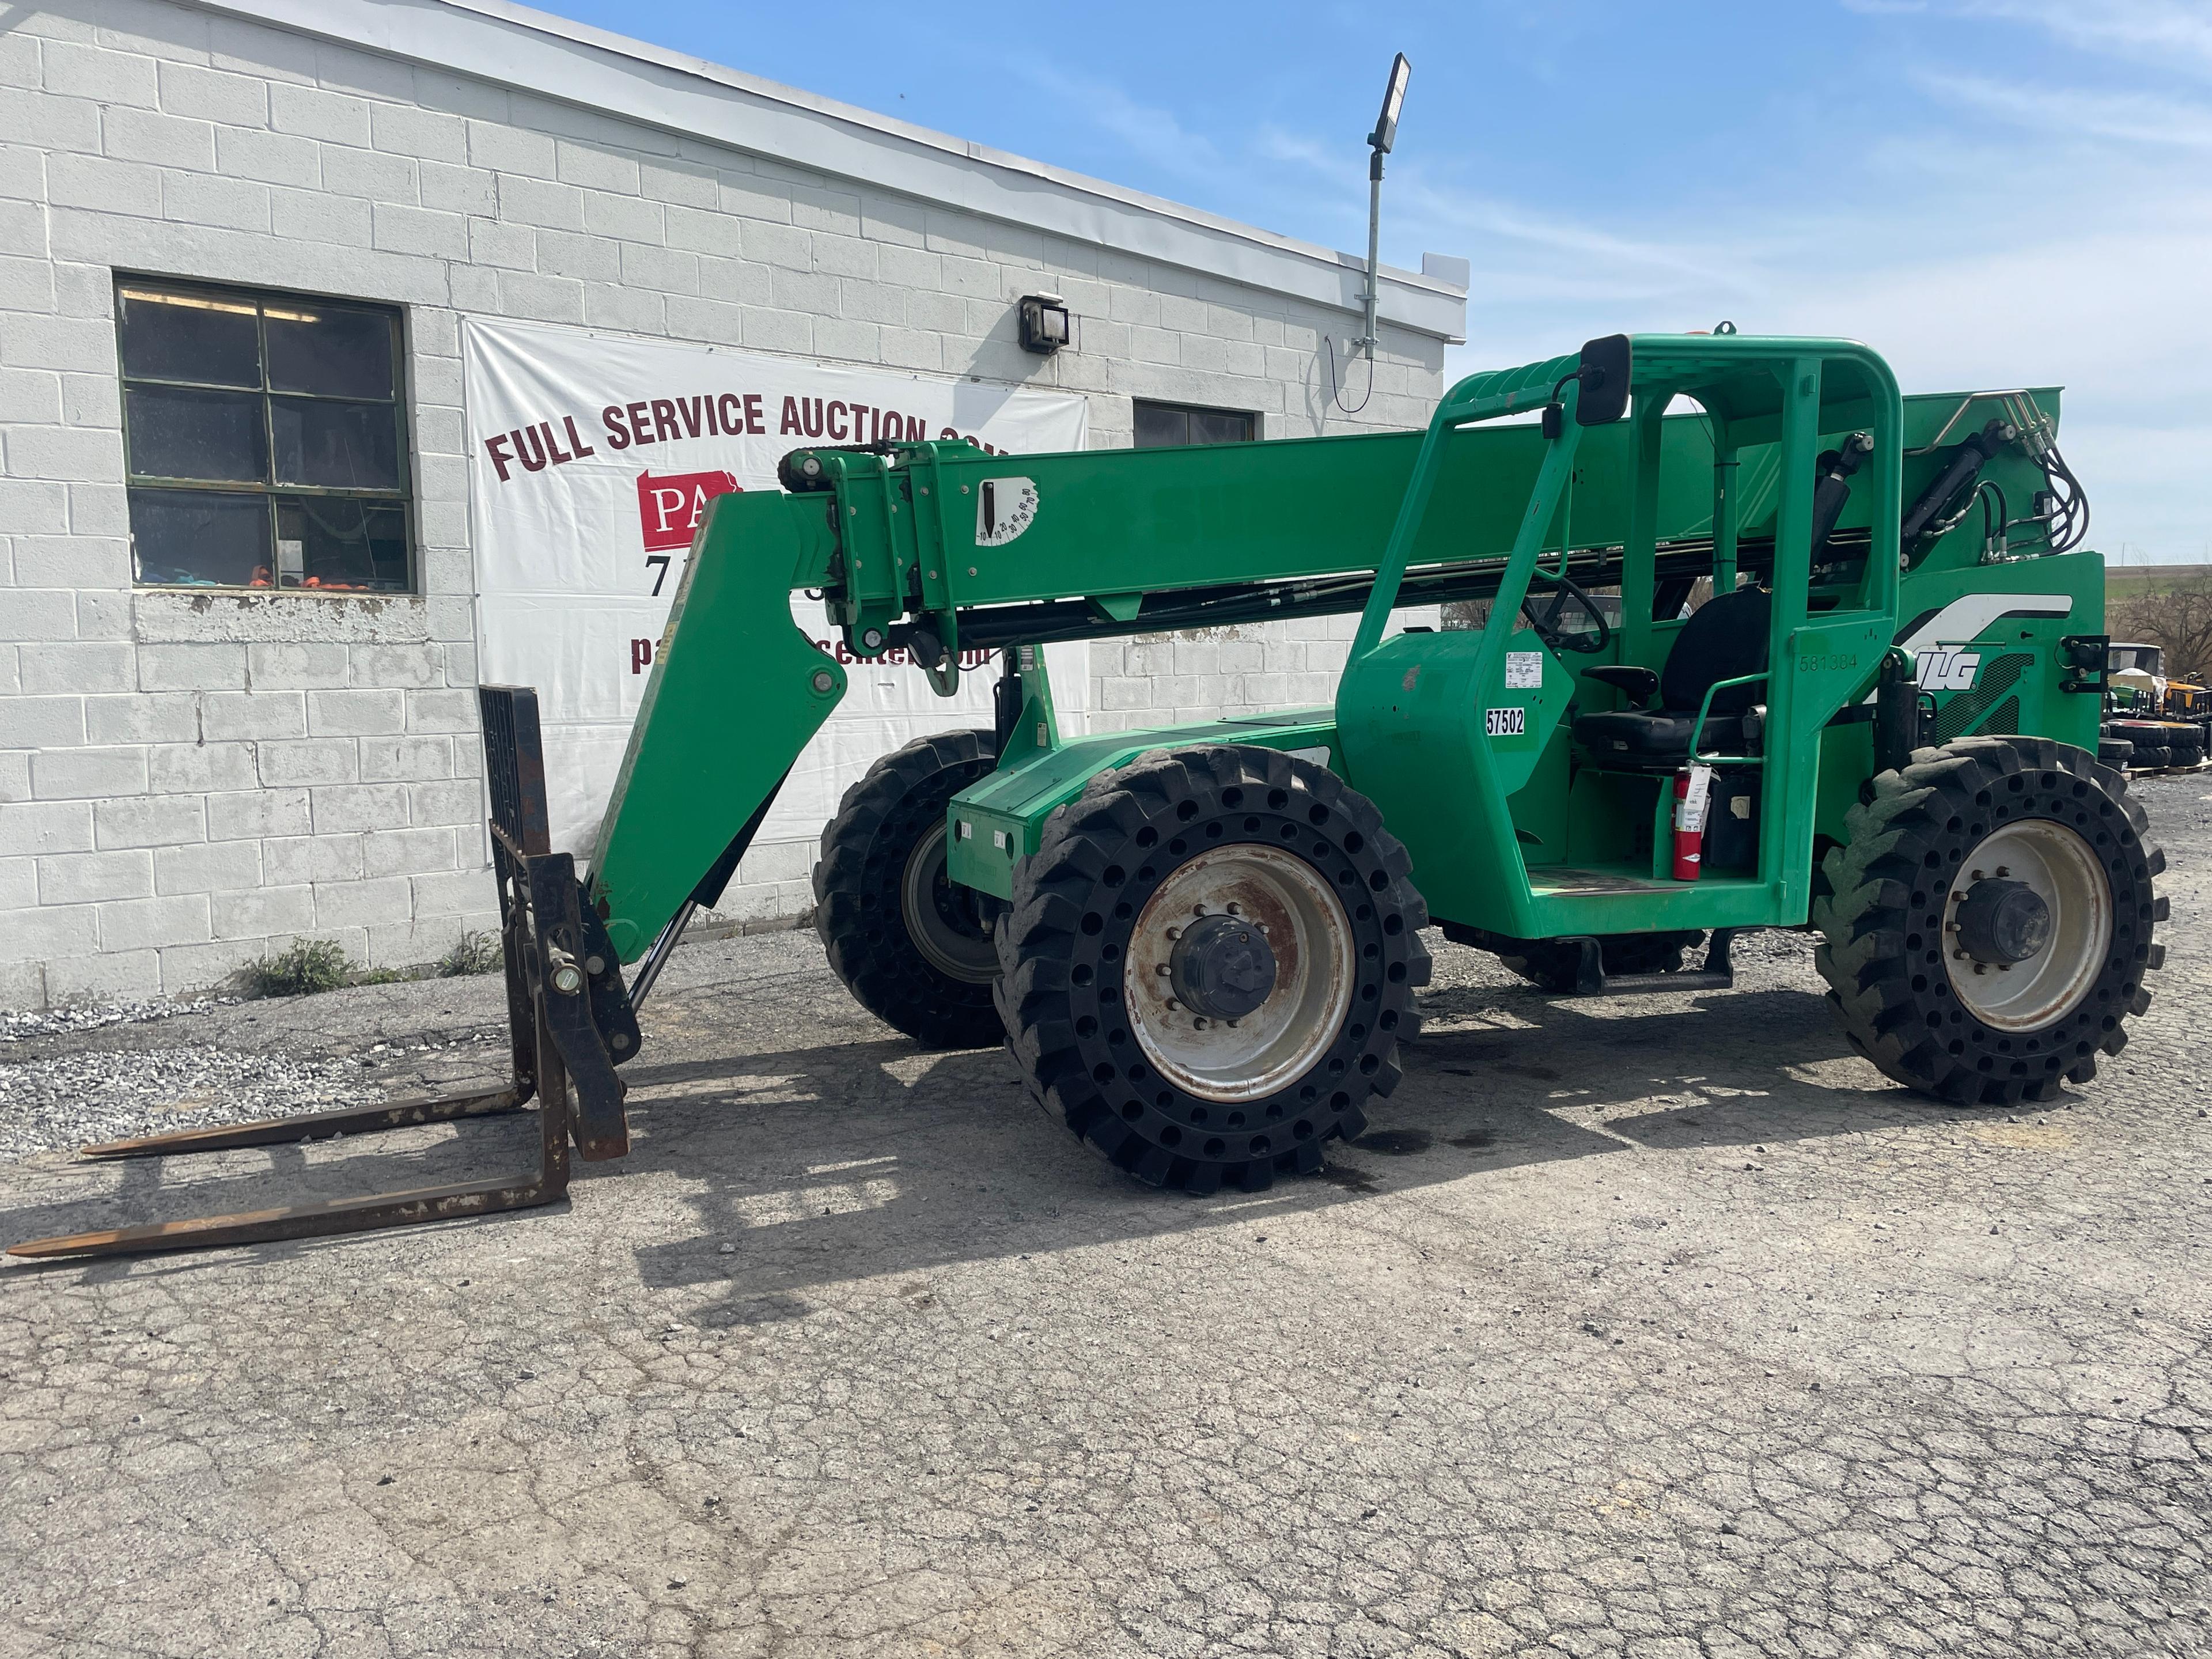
(857, 1158)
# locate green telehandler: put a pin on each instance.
(1201, 944)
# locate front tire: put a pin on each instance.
(1992, 920)
(913, 947)
(1209, 964)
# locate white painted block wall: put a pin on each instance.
(188, 781)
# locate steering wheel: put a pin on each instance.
(1547, 625)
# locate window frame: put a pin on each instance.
(272, 491)
(1249, 415)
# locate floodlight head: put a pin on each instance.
(1393, 98)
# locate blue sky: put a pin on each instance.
(1993, 192)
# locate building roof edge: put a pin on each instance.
(572, 63)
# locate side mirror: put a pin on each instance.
(1604, 373)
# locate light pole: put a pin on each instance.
(1379, 140)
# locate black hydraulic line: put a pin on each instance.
(1930, 514)
(1833, 488)
(709, 889)
(1896, 716)
(1053, 621)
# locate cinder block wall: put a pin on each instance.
(188, 781)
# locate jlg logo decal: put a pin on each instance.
(1948, 668)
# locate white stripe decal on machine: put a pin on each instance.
(1966, 618)
(1962, 621)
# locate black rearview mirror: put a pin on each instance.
(1605, 375)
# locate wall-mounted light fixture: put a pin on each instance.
(1045, 323)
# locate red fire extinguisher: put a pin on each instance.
(1692, 784)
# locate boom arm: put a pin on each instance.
(737, 691)
(912, 555)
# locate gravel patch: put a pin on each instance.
(21, 1025)
(67, 1100)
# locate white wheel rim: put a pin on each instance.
(2066, 875)
(1276, 1043)
(957, 955)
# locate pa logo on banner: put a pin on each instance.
(670, 507)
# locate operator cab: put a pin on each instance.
(1724, 639)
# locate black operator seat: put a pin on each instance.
(1724, 638)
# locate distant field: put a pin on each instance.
(2136, 580)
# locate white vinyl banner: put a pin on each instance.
(592, 459)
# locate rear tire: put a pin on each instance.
(914, 949)
(1103, 945)
(2115, 751)
(1554, 964)
(1969, 822)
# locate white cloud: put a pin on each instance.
(2131, 118)
(1152, 133)
(2174, 33)
(1970, 255)
(2088, 275)
(1649, 265)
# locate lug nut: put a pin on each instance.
(1173, 1004)
(1164, 970)
(1174, 933)
(1199, 1024)
(1236, 910)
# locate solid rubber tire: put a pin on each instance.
(1075, 902)
(1881, 950)
(857, 888)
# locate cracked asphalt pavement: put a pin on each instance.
(1654, 1327)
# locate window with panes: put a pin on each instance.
(264, 436)
(1161, 424)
